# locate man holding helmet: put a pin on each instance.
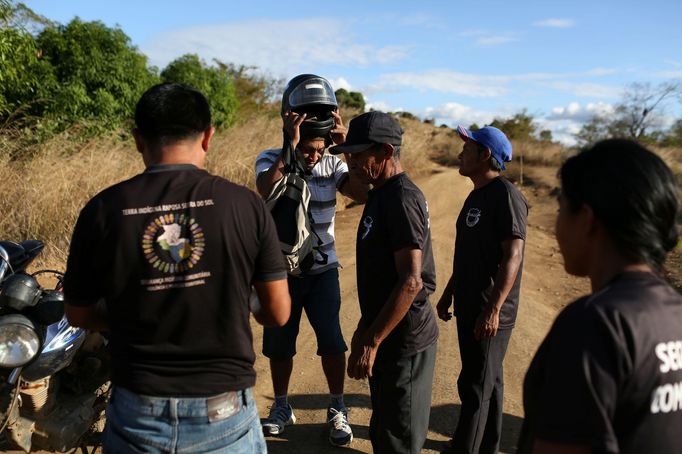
(311, 124)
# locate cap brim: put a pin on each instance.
(350, 149)
(464, 133)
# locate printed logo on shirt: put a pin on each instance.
(173, 243)
(367, 223)
(428, 218)
(473, 216)
(668, 397)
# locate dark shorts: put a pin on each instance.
(320, 296)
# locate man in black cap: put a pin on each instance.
(394, 344)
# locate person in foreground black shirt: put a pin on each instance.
(394, 344)
(484, 286)
(165, 262)
(608, 376)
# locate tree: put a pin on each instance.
(638, 116)
(474, 127)
(351, 100)
(673, 138)
(22, 71)
(642, 107)
(216, 82)
(520, 126)
(98, 75)
(255, 92)
(546, 135)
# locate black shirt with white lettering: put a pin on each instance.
(490, 215)
(395, 217)
(609, 373)
(173, 252)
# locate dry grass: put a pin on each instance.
(41, 197)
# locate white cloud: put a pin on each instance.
(381, 106)
(588, 90)
(340, 82)
(262, 43)
(391, 54)
(485, 38)
(674, 74)
(555, 23)
(454, 114)
(447, 82)
(566, 121)
(488, 41)
(480, 85)
(574, 111)
(563, 131)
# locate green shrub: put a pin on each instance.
(215, 82)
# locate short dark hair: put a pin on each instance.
(494, 163)
(169, 112)
(631, 191)
(396, 149)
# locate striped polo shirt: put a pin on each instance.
(326, 176)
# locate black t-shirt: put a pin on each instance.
(609, 373)
(491, 214)
(396, 216)
(173, 252)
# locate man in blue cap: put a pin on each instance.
(484, 287)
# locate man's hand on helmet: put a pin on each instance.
(340, 131)
(291, 126)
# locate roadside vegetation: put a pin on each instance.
(67, 94)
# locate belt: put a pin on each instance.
(225, 405)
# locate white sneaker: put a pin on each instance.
(340, 433)
(279, 418)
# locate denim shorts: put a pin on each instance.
(145, 424)
(320, 296)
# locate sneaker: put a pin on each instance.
(340, 433)
(278, 419)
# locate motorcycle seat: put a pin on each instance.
(20, 254)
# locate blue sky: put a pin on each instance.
(458, 62)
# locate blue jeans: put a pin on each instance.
(145, 424)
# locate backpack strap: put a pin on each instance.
(318, 248)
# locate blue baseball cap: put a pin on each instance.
(492, 138)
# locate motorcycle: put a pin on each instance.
(53, 377)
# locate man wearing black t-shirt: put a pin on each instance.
(165, 262)
(484, 286)
(394, 344)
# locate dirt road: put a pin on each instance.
(545, 289)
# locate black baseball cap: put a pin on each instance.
(369, 129)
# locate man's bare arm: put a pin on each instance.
(93, 317)
(512, 256)
(291, 122)
(275, 302)
(408, 264)
(266, 180)
(354, 189)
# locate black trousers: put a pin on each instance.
(401, 403)
(481, 390)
